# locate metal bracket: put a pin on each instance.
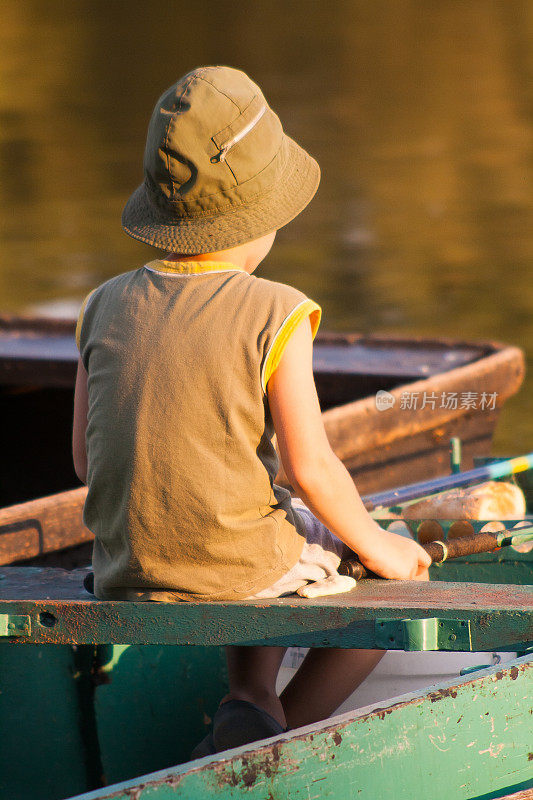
(423, 634)
(15, 625)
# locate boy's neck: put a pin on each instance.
(246, 256)
(223, 256)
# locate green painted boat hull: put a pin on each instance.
(457, 741)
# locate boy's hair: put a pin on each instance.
(218, 168)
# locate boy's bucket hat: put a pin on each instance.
(219, 170)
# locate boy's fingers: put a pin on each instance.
(425, 558)
(422, 574)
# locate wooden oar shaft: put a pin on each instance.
(485, 542)
(492, 471)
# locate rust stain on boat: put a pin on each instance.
(380, 712)
(259, 765)
(440, 694)
(513, 673)
(136, 792)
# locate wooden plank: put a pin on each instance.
(462, 740)
(42, 526)
(500, 616)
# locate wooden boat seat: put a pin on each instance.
(50, 605)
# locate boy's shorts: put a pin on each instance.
(321, 555)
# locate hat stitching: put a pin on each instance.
(224, 161)
(201, 77)
(230, 125)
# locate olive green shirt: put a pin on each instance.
(181, 463)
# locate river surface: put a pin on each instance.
(420, 113)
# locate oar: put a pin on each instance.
(413, 491)
(485, 542)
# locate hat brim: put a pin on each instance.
(214, 232)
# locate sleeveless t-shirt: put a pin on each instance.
(180, 455)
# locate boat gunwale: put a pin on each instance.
(510, 357)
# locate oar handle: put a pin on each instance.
(353, 568)
(439, 551)
(464, 546)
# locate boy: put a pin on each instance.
(187, 367)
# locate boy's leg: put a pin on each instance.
(325, 679)
(252, 673)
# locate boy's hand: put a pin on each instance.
(395, 557)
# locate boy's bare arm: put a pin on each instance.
(320, 478)
(81, 407)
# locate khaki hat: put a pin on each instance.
(219, 170)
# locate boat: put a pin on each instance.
(110, 697)
(105, 699)
(390, 403)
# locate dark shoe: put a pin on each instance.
(239, 722)
(204, 748)
(88, 582)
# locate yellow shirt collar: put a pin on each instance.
(191, 267)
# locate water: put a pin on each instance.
(419, 113)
